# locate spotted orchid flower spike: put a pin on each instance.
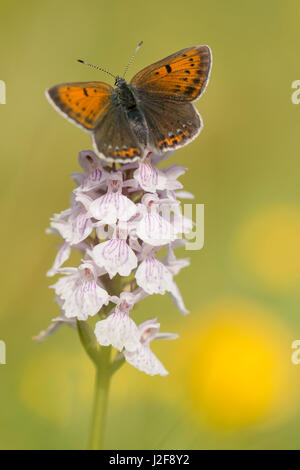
(119, 220)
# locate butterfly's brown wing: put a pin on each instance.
(180, 77)
(114, 137)
(83, 103)
(165, 91)
(170, 125)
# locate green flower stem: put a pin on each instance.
(103, 376)
(105, 368)
(88, 341)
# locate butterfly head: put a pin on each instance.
(120, 81)
(123, 94)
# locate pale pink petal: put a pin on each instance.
(84, 199)
(56, 324)
(184, 195)
(129, 166)
(134, 243)
(172, 185)
(87, 299)
(145, 360)
(166, 336)
(58, 222)
(174, 264)
(115, 256)
(77, 178)
(149, 331)
(76, 227)
(112, 207)
(93, 180)
(174, 171)
(119, 331)
(157, 158)
(155, 230)
(153, 276)
(177, 299)
(128, 299)
(64, 287)
(88, 161)
(81, 293)
(149, 178)
(61, 257)
(80, 228)
(182, 224)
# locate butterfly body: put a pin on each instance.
(154, 112)
(123, 96)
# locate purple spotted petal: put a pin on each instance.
(153, 276)
(145, 360)
(155, 230)
(112, 206)
(119, 331)
(115, 256)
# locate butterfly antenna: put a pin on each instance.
(131, 58)
(96, 67)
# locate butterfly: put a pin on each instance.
(154, 112)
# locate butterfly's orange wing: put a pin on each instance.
(83, 103)
(182, 76)
(165, 91)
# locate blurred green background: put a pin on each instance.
(231, 382)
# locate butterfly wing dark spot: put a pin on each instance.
(191, 65)
(189, 90)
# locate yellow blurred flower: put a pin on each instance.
(230, 368)
(235, 363)
(268, 245)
